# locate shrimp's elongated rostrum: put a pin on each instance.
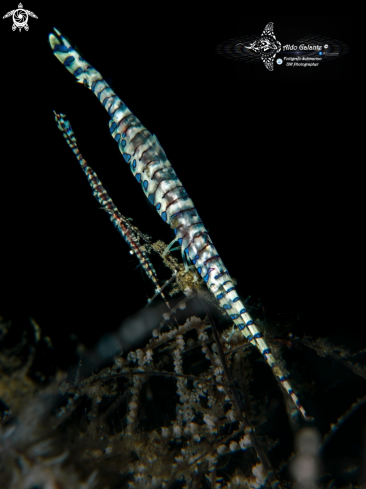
(151, 168)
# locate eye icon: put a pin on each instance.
(326, 46)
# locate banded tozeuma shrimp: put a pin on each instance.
(153, 171)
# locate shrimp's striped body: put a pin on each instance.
(153, 171)
(99, 192)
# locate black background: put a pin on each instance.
(263, 155)
(261, 160)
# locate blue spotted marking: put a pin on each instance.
(195, 259)
(180, 240)
(282, 378)
(163, 216)
(235, 299)
(138, 177)
(290, 391)
(93, 85)
(243, 311)
(151, 198)
(232, 288)
(219, 275)
(113, 127)
(78, 72)
(234, 316)
(186, 251)
(61, 48)
(220, 296)
(250, 338)
(206, 277)
(227, 306)
(69, 60)
(118, 137)
(266, 351)
(250, 322)
(134, 163)
(241, 326)
(145, 181)
(123, 143)
(127, 157)
(199, 270)
(257, 335)
(124, 134)
(158, 206)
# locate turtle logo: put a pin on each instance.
(267, 46)
(20, 17)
